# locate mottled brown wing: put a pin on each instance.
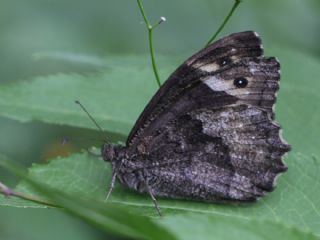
(210, 126)
(215, 154)
(218, 57)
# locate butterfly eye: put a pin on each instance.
(224, 61)
(240, 82)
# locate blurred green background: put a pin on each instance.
(78, 34)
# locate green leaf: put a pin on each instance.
(196, 226)
(297, 107)
(284, 214)
(115, 96)
(107, 217)
(295, 202)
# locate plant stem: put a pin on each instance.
(6, 191)
(235, 5)
(150, 35)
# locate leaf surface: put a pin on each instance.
(294, 203)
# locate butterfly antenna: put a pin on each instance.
(89, 115)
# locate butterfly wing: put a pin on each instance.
(230, 153)
(209, 132)
(215, 58)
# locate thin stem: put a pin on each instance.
(235, 5)
(6, 191)
(150, 35)
(143, 14)
(153, 61)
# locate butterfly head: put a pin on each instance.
(112, 152)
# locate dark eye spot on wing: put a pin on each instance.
(224, 61)
(240, 82)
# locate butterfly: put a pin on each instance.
(208, 134)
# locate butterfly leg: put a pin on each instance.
(154, 200)
(113, 180)
(142, 177)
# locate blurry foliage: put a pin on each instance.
(95, 51)
(101, 27)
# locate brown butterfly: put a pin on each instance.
(209, 133)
